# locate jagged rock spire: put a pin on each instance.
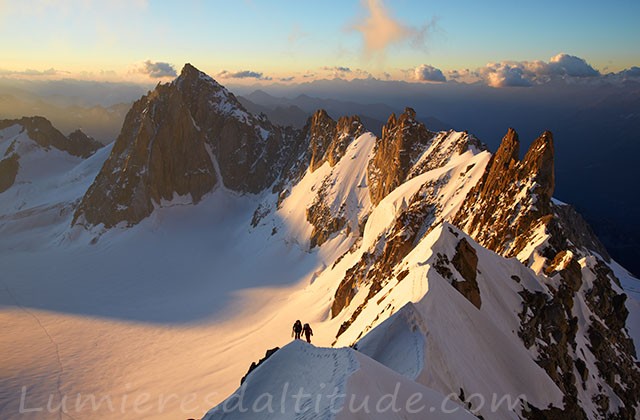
(512, 197)
(403, 139)
(328, 139)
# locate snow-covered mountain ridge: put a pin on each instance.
(452, 271)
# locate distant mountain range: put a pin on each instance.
(295, 111)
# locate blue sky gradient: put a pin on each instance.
(284, 38)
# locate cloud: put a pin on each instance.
(338, 71)
(570, 65)
(561, 65)
(505, 74)
(427, 73)
(342, 72)
(379, 29)
(287, 79)
(528, 73)
(30, 72)
(633, 72)
(243, 74)
(157, 69)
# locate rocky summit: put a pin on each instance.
(403, 140)
(513, 197)
(181, 140)
(328, 139)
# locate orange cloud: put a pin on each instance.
(380, 29)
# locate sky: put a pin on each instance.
(294, 41)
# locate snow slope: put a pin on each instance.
(48, 183)
(301, 381)
(346, 189)
(198, 301)
(161, 320)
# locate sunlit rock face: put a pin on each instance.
(183, 139)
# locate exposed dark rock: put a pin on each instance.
(324, 222)
(442, 266)
(403, 140)
(327, 139)
(347, 287)
(570, 411)
(346, 324)
(9, 167)
(577, 231)
(552, 328)
(498, 213)
(583, 371)
(347, 130)
(547, 323)
(569, 269)
(261, 212)
(254, 365)
(322, 130)
(82, 145)
(465, 261)
(616, 368)
(606, 303)
(46, 135)
(609, 342)
(401, 275)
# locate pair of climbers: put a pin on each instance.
(298, 329)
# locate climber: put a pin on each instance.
(297, 329)
(308, 332)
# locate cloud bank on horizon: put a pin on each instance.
(525, 73)
(502, 74)
(366, 39)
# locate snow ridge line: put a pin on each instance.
(55, 346)
(339, 375)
